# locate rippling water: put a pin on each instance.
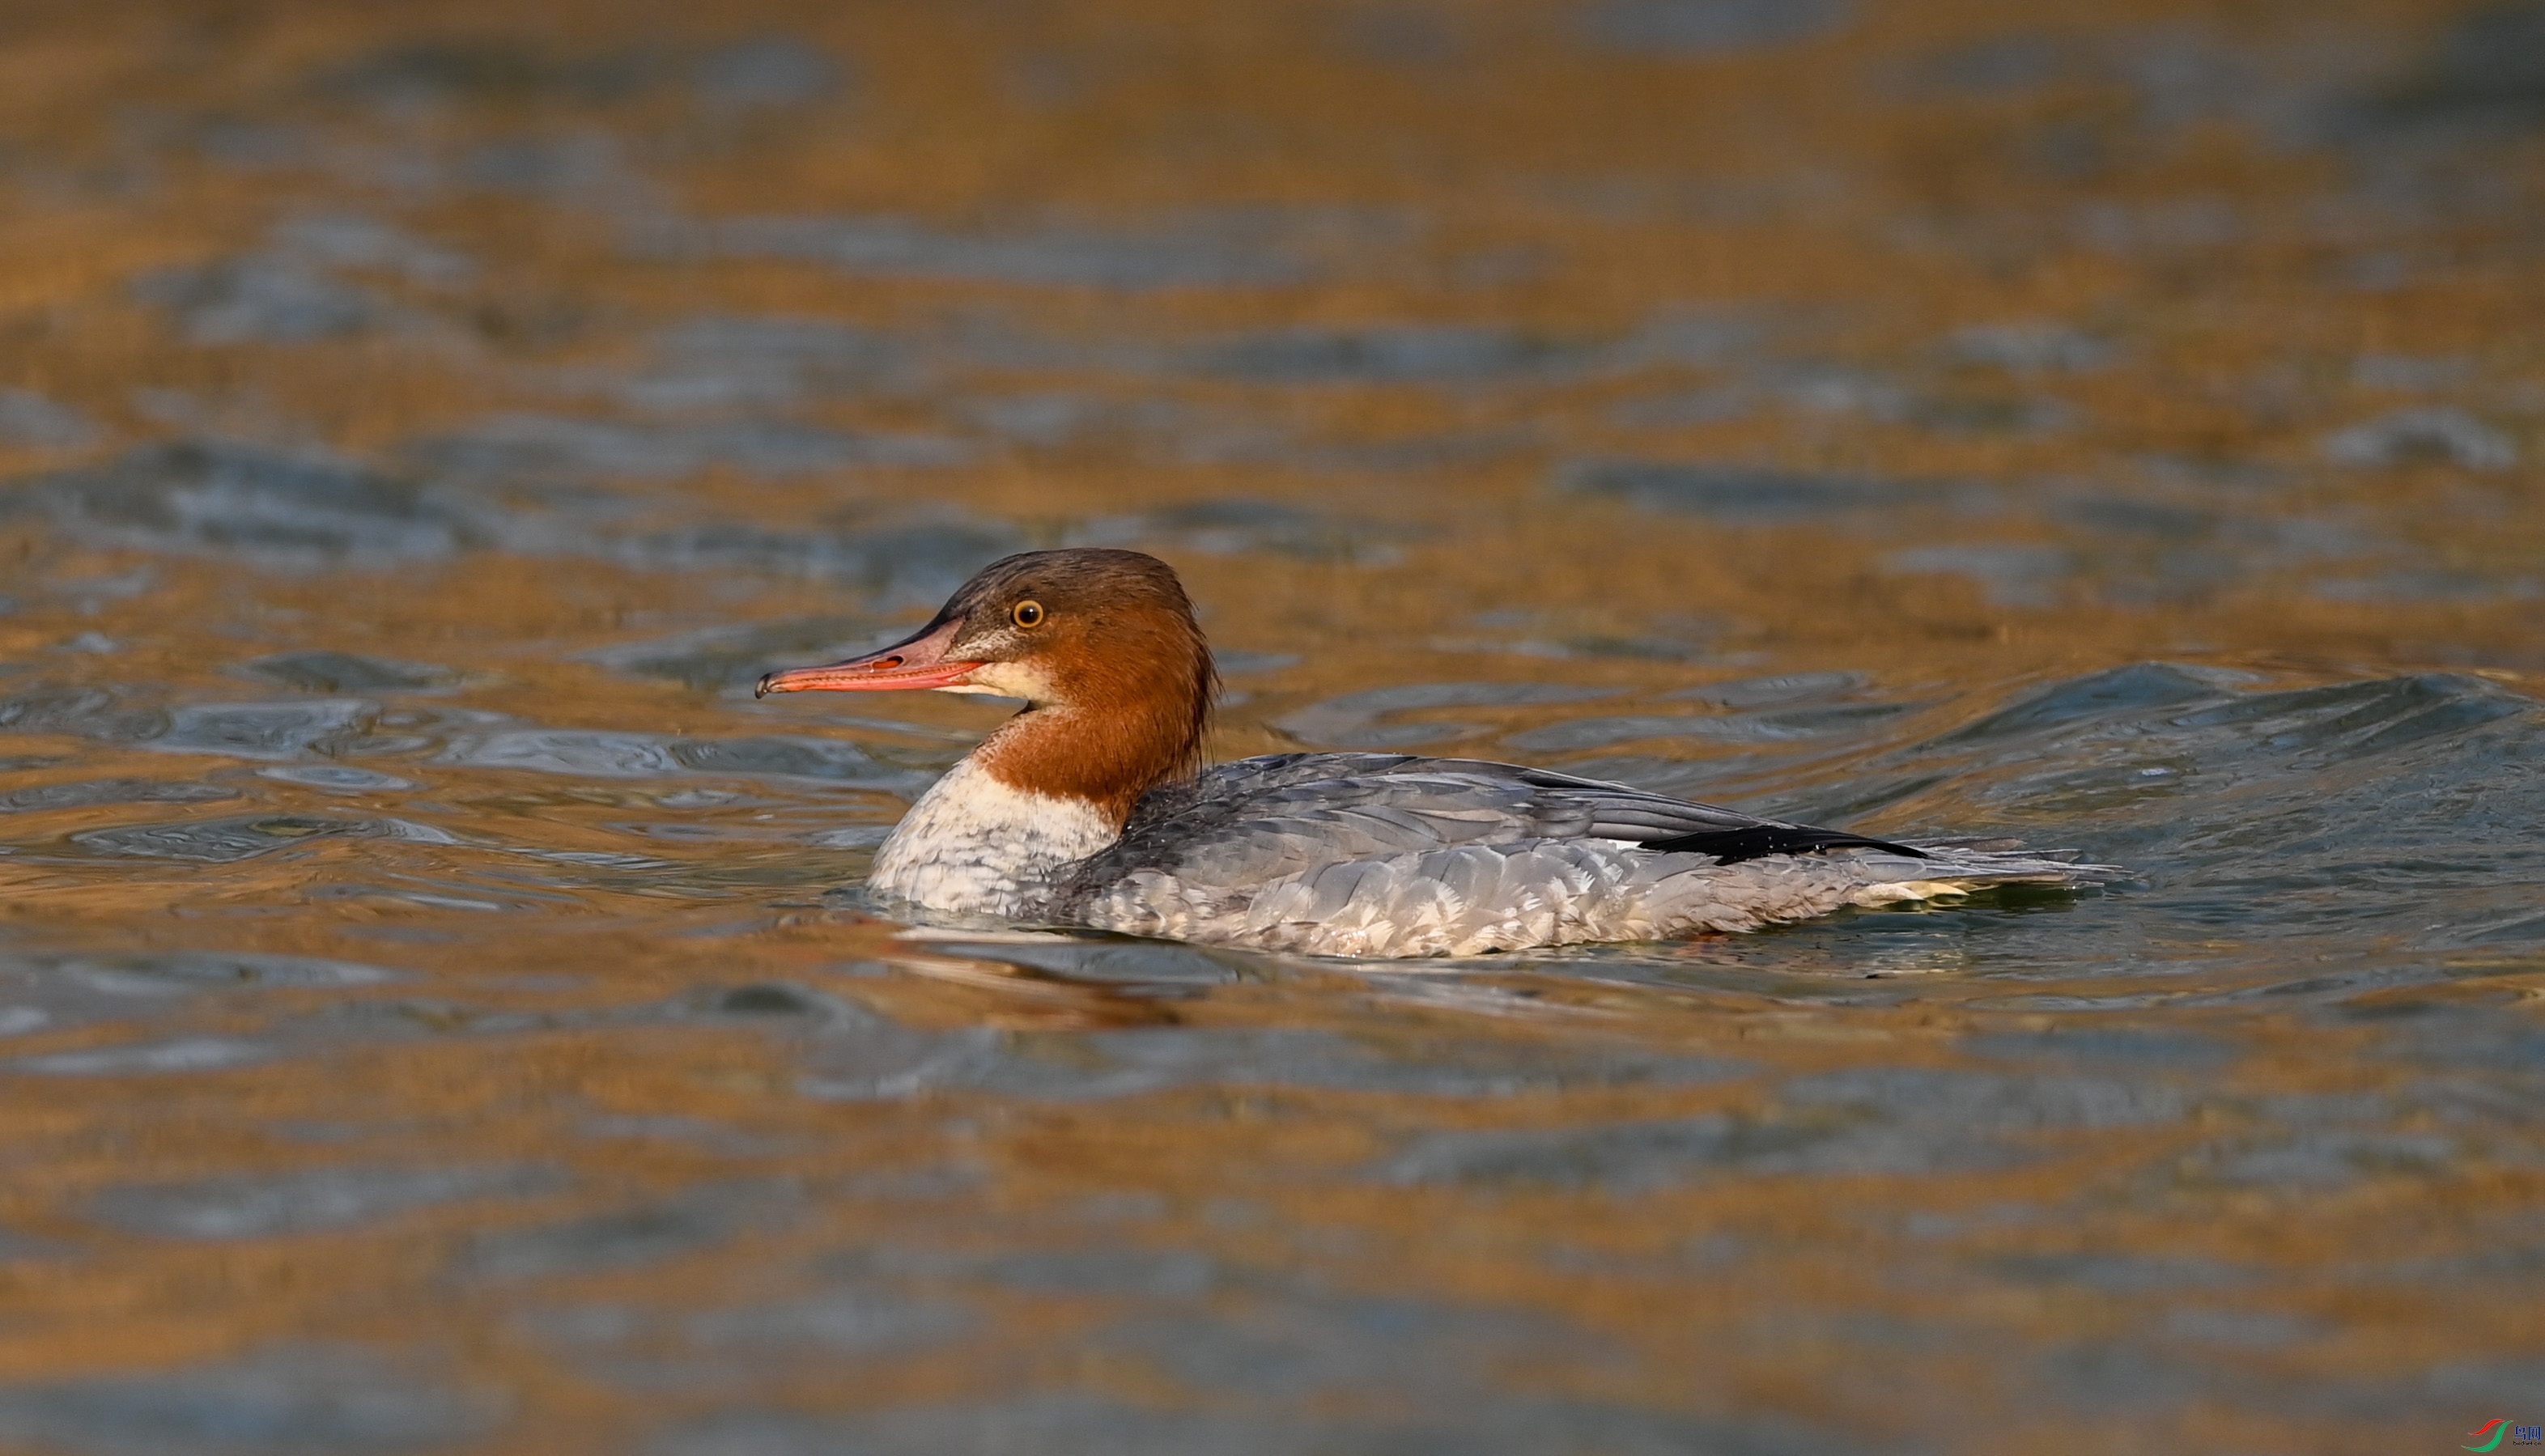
(435, 1008)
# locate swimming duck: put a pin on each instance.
(1092, 808)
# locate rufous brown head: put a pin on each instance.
(1103, 640)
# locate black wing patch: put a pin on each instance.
(1758, 841)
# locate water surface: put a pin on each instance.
(435, 1010)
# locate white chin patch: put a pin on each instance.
(1004, 680)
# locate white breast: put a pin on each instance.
(975, 845)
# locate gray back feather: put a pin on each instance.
(1257, 819)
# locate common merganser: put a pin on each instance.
(1091, 807)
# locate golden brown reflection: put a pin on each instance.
(433, 1011)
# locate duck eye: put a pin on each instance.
(1026, 614)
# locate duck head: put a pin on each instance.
(1100, 644)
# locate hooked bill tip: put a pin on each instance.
(761, 688)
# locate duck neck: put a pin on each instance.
(1102, 760)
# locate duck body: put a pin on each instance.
(1086, 809)
(1378, 854)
